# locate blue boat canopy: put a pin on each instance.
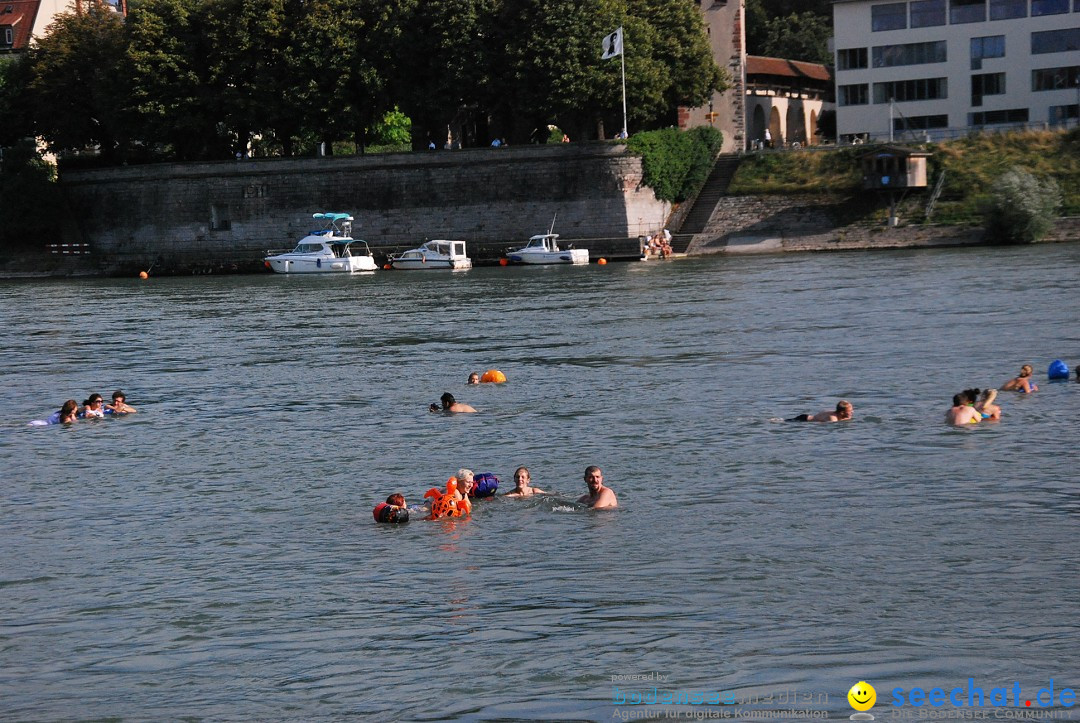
(333, 217)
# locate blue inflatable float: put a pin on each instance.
(1058, 370)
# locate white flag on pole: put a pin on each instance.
(612, 44)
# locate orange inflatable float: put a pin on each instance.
(493, 376)
(450, 503)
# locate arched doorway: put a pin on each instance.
(757, 126)
(775, 129)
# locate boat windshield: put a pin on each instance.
(303, 248)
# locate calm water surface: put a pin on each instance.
(214, 556)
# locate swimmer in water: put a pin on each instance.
(844, 411)
(961, 412)
(599, 496)
(474, 378)
(464, 482)
(522, 479)
(449, 404)
(1021, 383)
(119, 404)
(986, 407)
(93, 407)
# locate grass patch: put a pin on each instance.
(971, 166)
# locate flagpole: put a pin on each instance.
(622, 59)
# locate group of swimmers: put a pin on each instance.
(972, 406)
(93, 407)
(465, 486)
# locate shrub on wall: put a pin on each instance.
(1022, 208)
(675, 164)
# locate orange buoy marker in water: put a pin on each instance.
(387, 267)
(503, 262)
(493, 376)
(601, 261)
(144, 275)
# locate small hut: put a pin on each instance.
(894, 170)
(890, 168)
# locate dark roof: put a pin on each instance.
(759, 65)
(21, 19)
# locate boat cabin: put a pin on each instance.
(543, 242)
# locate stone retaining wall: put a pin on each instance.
(226, 215)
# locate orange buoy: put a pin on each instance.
(387, 267)
(493, 376)
(503, 262)
(144, 275)
(602, 261)
(267, 265)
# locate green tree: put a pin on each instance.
(15, 121)
(28, 194)
(802, 36)
(1022, 208)
(171, 90)
(444, 69)
(78, 91)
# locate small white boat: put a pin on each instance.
(544, 249)
(325, 251)
(437, 254)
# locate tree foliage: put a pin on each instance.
(28, 194)
(675, 164)
(1022, 208)
(792, 29)
(201, 79)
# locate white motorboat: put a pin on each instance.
(325, 251)
(437, 254)
(544, 249)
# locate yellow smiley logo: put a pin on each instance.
(862, 696)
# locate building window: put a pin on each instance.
(920, 122)
(890, 56)
(928, 13)
(1055, 78)
(891, 16)
(1049, 7)
(993, 117)
(903, 91)
(9, 36)
(986, 84)
(1061, 114)
(857, 94)
(1055, 41)
(990, 46)
(1006, 9)
(851, 59)
(967, 11)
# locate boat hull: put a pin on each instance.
(287, 264)
(570, 256)
(431, 264)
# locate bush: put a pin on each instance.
(1021, 208)
(675, 164)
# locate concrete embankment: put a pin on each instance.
(782, 223)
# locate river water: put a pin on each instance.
(214, 556)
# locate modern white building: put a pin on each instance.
(940, 68)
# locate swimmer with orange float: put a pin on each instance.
(394, 510)
(450, 503)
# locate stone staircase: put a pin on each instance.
(715, 186)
